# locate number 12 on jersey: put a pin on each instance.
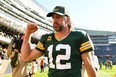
(60, 57)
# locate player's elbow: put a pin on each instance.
(23, 58)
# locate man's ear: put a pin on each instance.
(68, 20)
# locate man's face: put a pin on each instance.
(59, 22)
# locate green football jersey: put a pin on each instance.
(64, 57)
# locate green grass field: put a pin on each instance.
(108, 72)
(101, 73)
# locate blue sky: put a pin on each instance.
(88, 14)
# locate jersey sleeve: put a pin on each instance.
(41, 44)
(86, 44)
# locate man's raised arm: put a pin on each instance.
(26, 53)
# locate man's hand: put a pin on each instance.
(31, 28)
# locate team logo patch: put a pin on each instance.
(40, 46)
(49, 38)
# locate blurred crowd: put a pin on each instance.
(3, 54)
(11, 24)
(15, 26)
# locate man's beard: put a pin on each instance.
(58, 27)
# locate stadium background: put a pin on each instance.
(14, 15)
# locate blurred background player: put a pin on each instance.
(13, 52)
(42, 65)
(95, 61)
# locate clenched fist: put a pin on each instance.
(31, 28)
